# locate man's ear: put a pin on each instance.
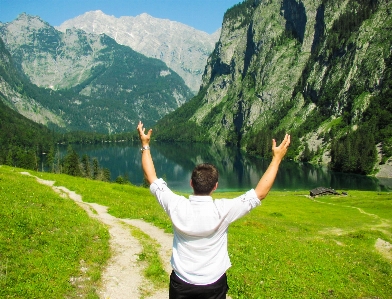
(216, 186)
(191, 183)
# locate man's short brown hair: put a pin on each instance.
(204, 178)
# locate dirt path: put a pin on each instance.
(122, 277)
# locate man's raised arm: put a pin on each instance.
(268, 178)
(147, 163)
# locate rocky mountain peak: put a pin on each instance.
(183, 48)
(97, 84)
(34, 22)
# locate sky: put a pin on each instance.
(204, 15)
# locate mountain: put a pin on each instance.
(183, 48)
(321, 70)
(15, 95)
(90, 81)
(21, 139)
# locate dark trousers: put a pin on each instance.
(179, 289)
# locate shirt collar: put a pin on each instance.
(204, 198)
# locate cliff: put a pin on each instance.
(320, 70)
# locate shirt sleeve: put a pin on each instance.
(243, 204)
(165, 197)
(158, 184)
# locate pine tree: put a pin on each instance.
(71, 163)
(95, 169)
(9, 158)
(106, 175)
(86, 166)
(306, 155)
(50, 158)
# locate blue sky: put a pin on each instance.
(205, 15)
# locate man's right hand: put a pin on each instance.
(280, 151)
(268, 178)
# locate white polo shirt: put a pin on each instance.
(200, 226)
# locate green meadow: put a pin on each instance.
(292, 246)
(49, 247)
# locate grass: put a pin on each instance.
(153, 270)
(49, 247)
(295, 247)
(290, 247)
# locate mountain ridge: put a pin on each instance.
(167, 40)
(92, 74)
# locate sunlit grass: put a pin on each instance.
(290, 247)
(49, 247)
(124, 201)
(295, 247)
(153, 269)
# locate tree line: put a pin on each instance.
(72, 164)
(26, 144)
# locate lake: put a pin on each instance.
(237, 171)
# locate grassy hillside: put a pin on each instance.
(49, 247)
(290, 247)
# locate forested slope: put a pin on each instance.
(320, 70)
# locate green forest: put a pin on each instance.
(26, 144)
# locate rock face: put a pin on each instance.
(183, 48)
(99, 85)
(320, 70)
(13, 95)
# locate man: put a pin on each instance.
(200, 258)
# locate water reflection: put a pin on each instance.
(175, 162)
